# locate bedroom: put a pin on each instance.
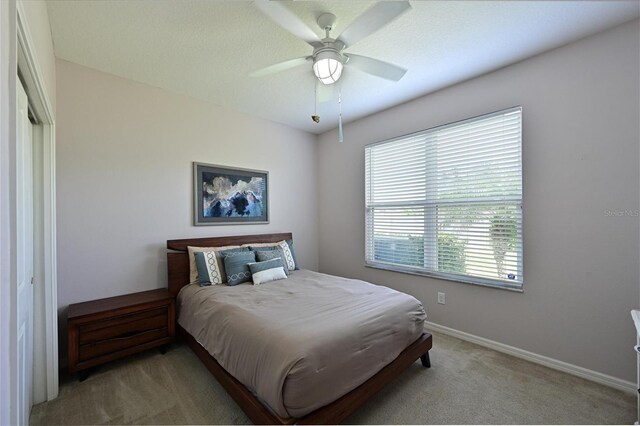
(139, 93)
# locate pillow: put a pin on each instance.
(193, 269)
(267, 271)
(236, 264)
(288, 257)
(272, 253)
(208, 272)
(293, 254)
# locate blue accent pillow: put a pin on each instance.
(236, 265)
(288, 256)
(223, 273)
(233, 250)
(293, 253)
(282, 254)
(266, 265)
(272, 253)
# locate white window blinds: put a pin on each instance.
(447, 201)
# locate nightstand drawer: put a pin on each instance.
(114, 344)
(123, 325)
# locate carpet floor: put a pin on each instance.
(467, 384)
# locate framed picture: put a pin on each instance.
(226, 196)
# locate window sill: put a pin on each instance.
(446, 277)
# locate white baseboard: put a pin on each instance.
(594, 376)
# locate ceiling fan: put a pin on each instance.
(328, 57)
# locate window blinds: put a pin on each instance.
(448, 201)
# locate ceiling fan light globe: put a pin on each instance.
(327, 67)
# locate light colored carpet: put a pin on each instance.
(467, 384)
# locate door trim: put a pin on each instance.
(8, 320)
(32, 74)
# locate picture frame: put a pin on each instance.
(225, 195)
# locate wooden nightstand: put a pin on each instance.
(107, 329)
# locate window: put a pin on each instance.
(447, 202)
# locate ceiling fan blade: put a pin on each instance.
(280, 66)
(372, 20)
(288, 20)
(375, 67)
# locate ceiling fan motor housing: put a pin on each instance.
(327, 60)
(331, 48)
(327, 51)
(326, 21)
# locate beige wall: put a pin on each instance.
(124, 180)
(580, 150)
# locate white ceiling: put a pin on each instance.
(207, 48)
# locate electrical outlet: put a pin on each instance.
(441, 298)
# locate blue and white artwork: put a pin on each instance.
(232, 196)
(225, 195)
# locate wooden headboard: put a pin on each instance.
(178, 258)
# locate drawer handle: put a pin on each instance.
(135, 333)
(127, 335)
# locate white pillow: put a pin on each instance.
(268, 275)
(291, 264)
(193, 269)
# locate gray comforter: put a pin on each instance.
(302, 342)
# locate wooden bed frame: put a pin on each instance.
(333, 413)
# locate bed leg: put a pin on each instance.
(426, 361)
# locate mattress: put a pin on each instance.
(302, 342)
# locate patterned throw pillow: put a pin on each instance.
(288, 256)
(208, 272)
(267, 271)
(236, 264)
(271, 253)
(293, 254)
(193, 269)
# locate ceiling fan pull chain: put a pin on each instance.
(340, 136)
(315, 117)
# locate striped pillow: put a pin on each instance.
(208, 272)
(293, 254)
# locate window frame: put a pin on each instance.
(450, 276)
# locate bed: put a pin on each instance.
(308, 349)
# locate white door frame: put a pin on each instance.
(38, 98)
(8, 292)
(25, 256)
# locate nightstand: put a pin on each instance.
(107, 329)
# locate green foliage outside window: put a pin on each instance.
(451, 254)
